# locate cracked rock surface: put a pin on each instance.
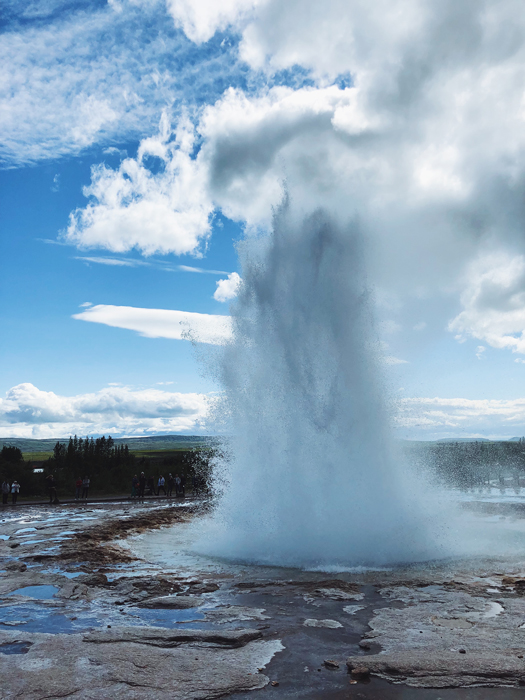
(145, 663)
(444, 636)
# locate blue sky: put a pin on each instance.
(184, 121)
(44, 283)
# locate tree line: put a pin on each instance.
(109, 467)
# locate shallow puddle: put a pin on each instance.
(37, 592)
(15, 648)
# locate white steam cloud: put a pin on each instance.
(414, 123)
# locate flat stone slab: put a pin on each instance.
(135, 664)
(234, 613)
(175, 602)
(168, 638)
(330, 624)
(446, 669)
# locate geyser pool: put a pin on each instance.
(310, 478)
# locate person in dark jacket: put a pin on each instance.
(6, 488)
(134, 486)
(142, 485)
(85, 486)
(78, 488)
(52, 488)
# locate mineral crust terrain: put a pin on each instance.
(89, 610)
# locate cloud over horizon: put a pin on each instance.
(434, 418)
(26, 411)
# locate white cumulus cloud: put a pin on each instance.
(432, 418)
(162, 323)
(493, 302)
(27, 411)
(227, 289)
(167, 212)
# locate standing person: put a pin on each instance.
(142, 485)
(78, 488)
(134, 486)
(170, 484)
(160, 485)
(183, 485)
(177, 484)
(6, 488)
(151, 486)
(15, 490)
(52, 488)
(85, 486)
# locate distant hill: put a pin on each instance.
(136, 444)
(473, 439)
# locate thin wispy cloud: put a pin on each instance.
(74, 82)
(162, 323)
(201, 270)
(118, 262)
(160, 264)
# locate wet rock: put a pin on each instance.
(16, 566)
(203, 587)
(359, 672)
(166, 638)
(329, 663)
(452, 622)
(97, 579)
(338, 594)
(154, 587)
(234, 613)
(72, 590)
(365, 645)
(445, 668)
(176, 602)
(330, 624)
(146, 664)
(353, 609)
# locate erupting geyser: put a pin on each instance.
(310, 479)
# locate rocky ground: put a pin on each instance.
(83, 616)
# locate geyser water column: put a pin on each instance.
(309, 479)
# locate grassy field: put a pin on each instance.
(151, 444)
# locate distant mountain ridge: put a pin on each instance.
(473, 439)
(154, 442)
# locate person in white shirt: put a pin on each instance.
(15, 490)
(160, 485)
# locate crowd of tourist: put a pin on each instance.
(13, 489)
(141, 486)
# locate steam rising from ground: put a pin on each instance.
(310, 479)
